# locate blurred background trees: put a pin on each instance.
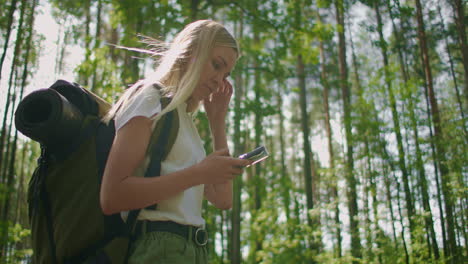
(362, 105)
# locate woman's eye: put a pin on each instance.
(216, 65)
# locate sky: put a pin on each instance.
(44, 76)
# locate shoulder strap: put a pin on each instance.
(44, 198)
(162, 140)
(105, 134)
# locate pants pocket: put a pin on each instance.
(148, 249)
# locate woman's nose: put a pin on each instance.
(219, 81)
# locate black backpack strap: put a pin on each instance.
(105, 134)
(158, 151)
(157, 156)
(44, 197)
(50, 232)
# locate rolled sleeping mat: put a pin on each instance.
(48, 117)
(85, 100)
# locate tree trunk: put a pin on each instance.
(285, 180)
(389, 197)
(399, 43)
(97, 43)
(422, 181)
(305, 137)
(20, 202)
(5, 133)
(236, 256)
(9, 28)
(256, 181)
(397, 130)
(436, 176)
(375, 233)
(460, 20)
(30, 33)
(346, 98)
(10, 183)
(194, 9)
(373, 236)
(331, 156)
(368, 233)
(452, 69)
(84, 79)
(62, 37)
(407, 256)
(453, 251)
(258, 124)
(6, 172)
(300, 72)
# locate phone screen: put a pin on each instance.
(255, 155)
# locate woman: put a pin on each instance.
(192, 71)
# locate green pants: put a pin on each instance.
(167, 248)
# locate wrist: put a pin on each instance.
(219, 138)
(197, 171)
(217, 122)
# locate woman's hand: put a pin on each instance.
(220, 168)
(217, 106)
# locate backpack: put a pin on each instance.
(67, 223)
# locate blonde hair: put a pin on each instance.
(179, 68)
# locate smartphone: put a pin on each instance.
(255, 155)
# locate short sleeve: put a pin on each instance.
(147, 103)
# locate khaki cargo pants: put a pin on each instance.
(167, 248)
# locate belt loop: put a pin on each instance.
(143, 227)
(190, 233)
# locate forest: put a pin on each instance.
(361, 104)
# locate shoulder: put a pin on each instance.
(146, 102)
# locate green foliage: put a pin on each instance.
(274, 34)
(17, 235)
(282, 241)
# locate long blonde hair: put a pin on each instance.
(179, 68)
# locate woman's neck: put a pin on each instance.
(192, 105)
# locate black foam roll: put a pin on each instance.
(47, 117)
(78, 96)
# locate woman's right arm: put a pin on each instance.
(122, 191)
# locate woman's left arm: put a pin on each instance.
(220, 195)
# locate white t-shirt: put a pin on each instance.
(185, 207)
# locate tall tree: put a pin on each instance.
(452, 67)
(9, 29)
(236, 256)
(444, 170)
(401, 152)
(346, 100)
(329, 132)
(410, 96)
(7, 175)
(298, 28)
(460, 21)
